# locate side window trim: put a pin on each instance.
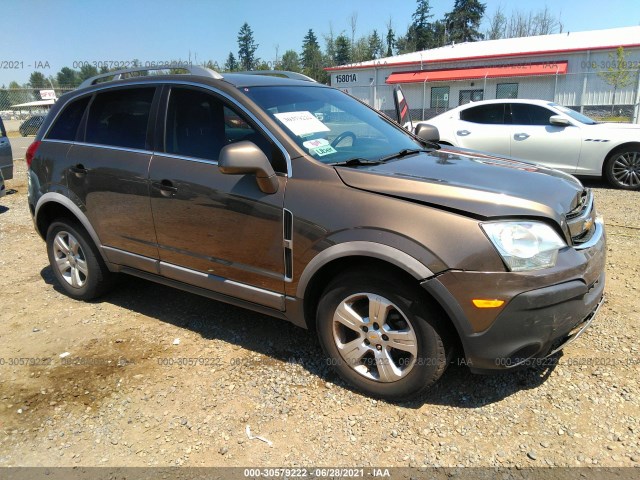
(257, 124)
(228, 103)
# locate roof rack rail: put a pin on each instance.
(119, 74)
(279, 73)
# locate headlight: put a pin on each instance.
(524, 245)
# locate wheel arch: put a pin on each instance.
(616, 149)
(360, 255)
(52, 206)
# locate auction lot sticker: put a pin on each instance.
(301, 123)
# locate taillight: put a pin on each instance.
(31, 152)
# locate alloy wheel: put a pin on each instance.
(70, 259)
(626, 169)
(374, 337)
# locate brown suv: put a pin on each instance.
(296, 200)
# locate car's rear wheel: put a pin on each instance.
(381, 335)
(622, 168)
(76, 262)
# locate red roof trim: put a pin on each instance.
(496, 71)
(480, 57)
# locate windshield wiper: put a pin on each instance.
(355, 162)
(402, 153)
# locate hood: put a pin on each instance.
(616, 126)
(471, 183)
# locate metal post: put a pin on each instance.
(484, 87)
(375, 89)
(424, 97)
(636, 108)
(555, 87)
(584, 83)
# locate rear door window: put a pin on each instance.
(3, 132)
(487, 114)
(120, 118)
(67, 123)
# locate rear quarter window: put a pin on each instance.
(66, 125)
(3, 132)
(120, 118)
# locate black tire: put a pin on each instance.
(416, 372)
(84, 276)
(622, 168)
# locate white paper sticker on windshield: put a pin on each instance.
(318, 142)
(301, 123)
(322, 151)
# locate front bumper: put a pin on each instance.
(543, 310)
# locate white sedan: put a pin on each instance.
(546, 133)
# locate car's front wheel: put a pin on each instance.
(381, 335)
(76, 262)
(622, 168)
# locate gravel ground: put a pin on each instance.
(121, 396)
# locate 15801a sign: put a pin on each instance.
(346, 78)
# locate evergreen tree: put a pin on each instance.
(391, 39)
(231, 65)
(311, 58)
(247, 48)
(67, 78)
(463, 21)
(376, 48)
(420, 32)
(37, 80)
(343, 50)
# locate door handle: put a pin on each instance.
(463, 133)
(166, 187)
(521, 136)
(79, 170)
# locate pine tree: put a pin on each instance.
(311, 58)
(391, 39)
(376, 48)
(247, 48)
(463, 21)
(420, 29)
(343, 50)
(231, 65)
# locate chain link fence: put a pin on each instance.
(18, 105)
(585, 92)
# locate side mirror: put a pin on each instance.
(428, 133)
(559, 121)
(245, 157)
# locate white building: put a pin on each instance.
(560, 67)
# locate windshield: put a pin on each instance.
(575, 115)
(330, 125)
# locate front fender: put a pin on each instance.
(362, 249)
